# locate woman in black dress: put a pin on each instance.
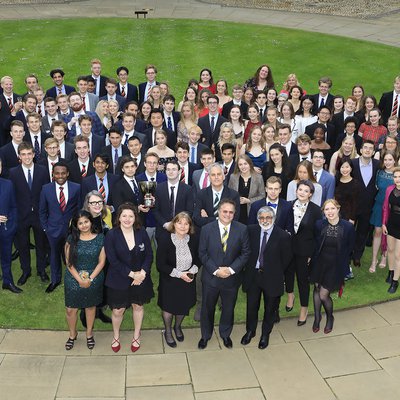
(334, 243)
(128, 280)
(176, 262)
(391, 228)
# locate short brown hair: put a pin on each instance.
(128, 206)
(177, 218)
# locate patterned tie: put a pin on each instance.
(83, 171)
(115, 159)
(395, 106)
(135, 189)
(262, 249)
(212, 126)
(39, 110)
(224, 239)
(29, 179)
(215, 205)
(169, 123)
(10, 104)
(123, 94)
(149, 91)
(102, 190)
(59, 90)
(205, 182)
(126, 139)
(36, 147)
(84, 103)
(63, 205)
(172, 202)
(225, 170)
(182, 179)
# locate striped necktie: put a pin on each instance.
(215, 205)
(224, 239)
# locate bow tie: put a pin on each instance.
(273, 205)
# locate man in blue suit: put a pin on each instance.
(58, 78)
(58, 202)
(28, 179)
(8, 227)
(124, 88)
(324, 178)
(111, 88)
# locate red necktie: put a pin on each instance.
(59, 91)
(182, 175)
(102, 190)
(10, 104)
(123, 91)
(83, 172)
(84, 103)
(39, 109)
(62, 199)
(205, 182)
(395, 106)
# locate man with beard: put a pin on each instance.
(264, 273)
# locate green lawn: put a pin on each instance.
(180, 48)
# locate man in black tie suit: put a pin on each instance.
(270, 256)
(115, 150)
(237, 94)
(323, 97)
(125, 89)
(171, 117)
(28, 179)
(224, 250)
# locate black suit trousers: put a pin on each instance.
(271, 305)
(362, 227)
(228, 301)
(299, 267)
(22, 242)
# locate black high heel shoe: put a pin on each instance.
(288, 309)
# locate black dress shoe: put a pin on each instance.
(264, 341)
(277, 317)
(180, 337)
(44, 277)
(202, 344)
(15, 255)
(301, 323)
(227, 342)
(246, 339)
(103, 317)
(22, 280)
(52, 287)
(12, 288)
(171, 343)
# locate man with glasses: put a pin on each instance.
(270, 256)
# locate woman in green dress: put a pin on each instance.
(83, 281)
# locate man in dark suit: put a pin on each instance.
(389, 104)
(51, 116)
(172, 197)
(28, 180)
(208, 199)
(200, 179)
(89, 100)
(324, 115)
(224, 250)
(100, 90)
(128, 124)
(7, 101)
(270, 256)
(303, 143)
(111, 88)
(228, 153)
(237, 94)
(365, 169)
(350, 130)
(127, 188)
(58, 202)
(8, 227)
(115, 150)
(261, 101)
(72, 120)
(34, 135)
(58, 78)
(81, 166)
(9, 152)
(171, 117)
(338, 119)
(324, 178)
(124, 88)
(136, 153)
(283, 209)
(187, 168)
(101, 180)
(152, 175)
(211, 123)
(144, 88)
(20, 111)
(59, 132)
(96, 142)
(195, 147)
(323, 97)
(51, 156)
(157, 121)
(285, 139)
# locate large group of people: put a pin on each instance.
(258, 190)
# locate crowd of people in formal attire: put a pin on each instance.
(260, 190)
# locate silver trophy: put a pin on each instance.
(148, 189)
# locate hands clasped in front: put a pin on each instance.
(223, 272)
(138, 277)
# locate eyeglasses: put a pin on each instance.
(96, 203)
(267, 218)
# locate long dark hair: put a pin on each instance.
(75, 235)
(286, 170)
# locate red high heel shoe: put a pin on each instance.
(117, 348)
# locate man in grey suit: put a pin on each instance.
(52, 115)
(90, 100)
(224, 250)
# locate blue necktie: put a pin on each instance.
(169, 124)
(29, 179)
(322, 103)
(261, 255)
(193, 155)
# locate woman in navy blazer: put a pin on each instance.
(128, 280)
